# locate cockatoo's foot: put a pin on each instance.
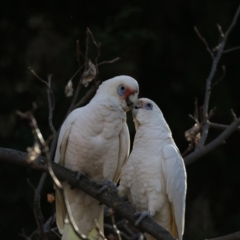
(141, 216)
(80, 174)
(106, 185)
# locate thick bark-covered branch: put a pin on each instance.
(109, 198)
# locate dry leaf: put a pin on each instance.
(33, 152)
(69, 89)
(193, 135)
(50, 198)
(89, 74)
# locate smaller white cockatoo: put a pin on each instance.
(94, 139)
(154, 177)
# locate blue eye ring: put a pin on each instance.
(121, 90)
(148, 106)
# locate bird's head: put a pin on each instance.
(146, 111)
(123, 88)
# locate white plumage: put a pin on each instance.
(94, 139)
(154, 177)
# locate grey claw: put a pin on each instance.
(141, 216)
(105, 185)
(80, 174)
(102, 189)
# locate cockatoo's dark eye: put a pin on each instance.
(121, 90)
(148, 106)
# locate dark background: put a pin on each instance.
(158, 46)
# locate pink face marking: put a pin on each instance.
(128, 92)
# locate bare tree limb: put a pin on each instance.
(216, 59)
(123, 235)
(50, 105)
(37, 213)
(108, 62)
(115, 228)
(231, 49)
(232, 236)
(88, 95)
(23, 235)
(98, 47)
(71, 219)
(47, 225)
(192, 157)
(44, 82)
(38, 136)
(221, 126)
(204, 41)
(109, 198)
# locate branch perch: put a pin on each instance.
(109, 198)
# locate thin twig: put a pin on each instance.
(23, 235)
(88, 95)
(50, 106)
(70, 217)
(221, 126)
(74, 75)
(109, 62)
(44, 82)
(231, 49)
(220, 30)
(38, 213)
(115, 227)
(37, 133)
(49, 222)
(79, 88)
(189, 149)
(234, 115)
(221, 77)
(123, 235)
(100, 233)
(204, 41)
(98, 47)
(54, 230)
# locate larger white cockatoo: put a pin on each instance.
(154, 177)
(94, 139)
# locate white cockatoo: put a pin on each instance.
(94, 139)
(154, 177)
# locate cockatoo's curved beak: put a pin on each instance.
(132, 99)
(138, 105)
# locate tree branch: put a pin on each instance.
(109, 198)
(216, 142)
(38, 213)
(216, 59)
(221, 126)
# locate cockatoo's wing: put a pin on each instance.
(59, 158)
(175, 176)
(124, 146)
